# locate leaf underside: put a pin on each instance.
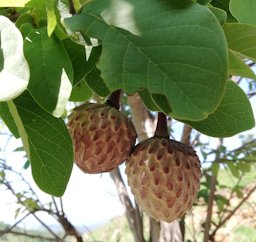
(233, 115)
(49, 146)
(174, 49)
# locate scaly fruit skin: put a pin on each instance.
(102, 136)
(164, 177)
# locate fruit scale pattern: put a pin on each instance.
(164, 175)
(103, 137)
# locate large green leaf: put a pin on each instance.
(241, 38)
(51, 70)
(6, 116)
(244, 11)
(237, 67)
(14, 75)
(47, 143)
(173, 48)
(233, 115)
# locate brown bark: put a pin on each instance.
(132, 214)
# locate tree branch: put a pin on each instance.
(9, 229)
(213, 184)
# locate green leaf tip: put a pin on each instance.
(233, 115)
(47, 143)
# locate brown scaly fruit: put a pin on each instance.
(102, 136)
(164, 176)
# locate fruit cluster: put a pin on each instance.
(164, 175)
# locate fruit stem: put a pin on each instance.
(114, 99)
(161, 128)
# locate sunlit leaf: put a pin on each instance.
(14, 76)
(51, 17)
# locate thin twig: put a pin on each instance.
(61, 206)
(233, 212)
(30, 235)
(46, 227)
(9, 229)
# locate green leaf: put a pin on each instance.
(81, 92)
(220, 14)
(204, 194)
(30, 204)
(224, 5)
(47, 143)
(148, 100)
(237, 67)
(233, 115)
(77, 56)
(38, 8)
(244, 11)
(176, 49)
(241, 38)
(13, 3)
(239, 191)
(204, 2)
(93, 74)
(26, 165)
(24, 19)
(17, 212)
(14, 76)
(51, 70)
(8, 119)
(51, 17)
(95, 82)
(221, 201)
(162, 102)
(233, 168)
(244, 166)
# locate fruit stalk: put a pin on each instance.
(161, 128)
(114, 99)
